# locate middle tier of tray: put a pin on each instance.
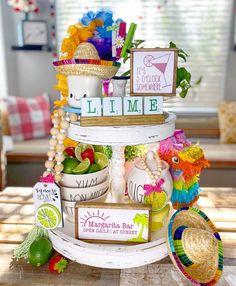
(123, 135)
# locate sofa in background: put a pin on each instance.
(25, 163)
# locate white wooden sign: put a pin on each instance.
(47, 205)
(122, 223)
(153, 72)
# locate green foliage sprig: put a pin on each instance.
(131, 152)
(183, 78)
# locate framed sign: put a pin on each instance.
(35, 32)
(153, 72)
(113, 223)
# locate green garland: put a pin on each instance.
(131, 152)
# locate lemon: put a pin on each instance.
(101, 160)
(48, 216)
(82, 167)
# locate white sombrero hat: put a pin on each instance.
(87, 62)
(195, 246)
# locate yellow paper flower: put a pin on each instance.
(60, 103)
(77, 34)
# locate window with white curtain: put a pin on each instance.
(200, 27)
(3, 84)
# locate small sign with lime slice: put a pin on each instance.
(47, 205)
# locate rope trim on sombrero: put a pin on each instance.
(178, 261)
(86, 61)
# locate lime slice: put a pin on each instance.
(93, 168)
(157, 200)
(98, 148)
(82, 167)
(48, 216)
(80, 148)
(101, 160)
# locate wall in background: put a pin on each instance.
(29, 73)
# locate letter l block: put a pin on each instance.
(91, 106)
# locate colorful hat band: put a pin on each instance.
(176, 253)
(86, 61)
(179, 247)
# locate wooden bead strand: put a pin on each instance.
(61, 122)
(49, 164)
(59, 157)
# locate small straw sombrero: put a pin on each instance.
(86, 62)
(195, 246)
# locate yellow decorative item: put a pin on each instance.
(191, 154)
(69, 142)
(158, 218)
(60, 103)
(157, 200)
(227, 122)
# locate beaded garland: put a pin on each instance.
(61, 121)
(154, 175)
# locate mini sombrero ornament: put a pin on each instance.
(195, 246)
(86, 62)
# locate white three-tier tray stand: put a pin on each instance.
(114, 255)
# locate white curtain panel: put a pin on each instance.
(3, 85)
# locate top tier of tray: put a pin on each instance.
(123, 135)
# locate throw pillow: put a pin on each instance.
(4, 118)
(227, 122)
(29, 118)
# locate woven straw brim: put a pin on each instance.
(203, 274)
(88, 70)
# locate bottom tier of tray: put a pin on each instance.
(108, 255)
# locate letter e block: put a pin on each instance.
(133, 105)
(91, 106)
(153, 104)
(112, 106)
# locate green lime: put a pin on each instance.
(82, 167)
(80, 148)
(69, 164)
(101, 160)
(48, 216)
(40, 251)
(98, 148)
(93, 168)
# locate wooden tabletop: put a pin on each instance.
(16, 218)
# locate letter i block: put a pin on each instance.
(91, 106)
(133, 105)
(112, 106)
(153, 104)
